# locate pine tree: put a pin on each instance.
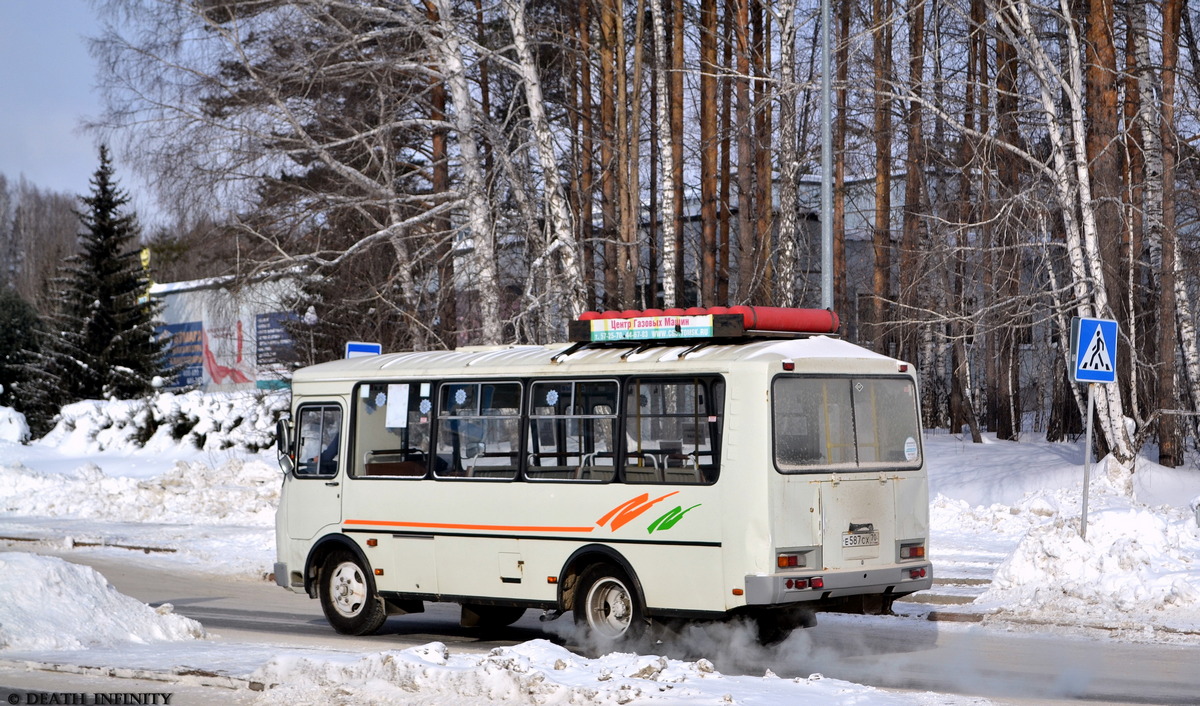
(101, 341)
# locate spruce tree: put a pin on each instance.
(19, 329)
(101, 341)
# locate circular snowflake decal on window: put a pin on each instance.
(380, 399)
(552, 397)
(425, 406)
(460, 396)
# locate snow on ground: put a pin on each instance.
(53, 607)
(234, 491)
(185, 473)
(197, 488)
(13, 427)
(1139, 565)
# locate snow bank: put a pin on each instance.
(538, 672)
(1139, 566)
(998, 472)
(210, 421)
(90, 482)
(50, 604)
(13, 427)
(237, 491)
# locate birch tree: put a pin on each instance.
(662, 112)
(1068, 174)
(291, 121)
(565, 281)
(789, 157)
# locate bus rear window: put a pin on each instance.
(845, 424)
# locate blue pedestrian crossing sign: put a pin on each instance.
(1094, 349)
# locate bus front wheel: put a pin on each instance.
(348, 596)
(608, 606)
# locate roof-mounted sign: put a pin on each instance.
(699, 322)
(358, 349)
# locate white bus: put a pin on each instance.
(677, 465)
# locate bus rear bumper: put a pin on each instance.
(896, 580)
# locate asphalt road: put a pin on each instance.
(1016, 666)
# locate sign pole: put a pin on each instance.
(1094, 349)
(1087, 461)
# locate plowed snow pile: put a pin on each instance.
(1138, 567)
(13, 427)
(235, 492)
(50, 604)
(540, 672)
(205, 421)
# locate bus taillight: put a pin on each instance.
(802, 584)
(912, 551)
(790, 561)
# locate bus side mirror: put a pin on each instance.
(283, 449)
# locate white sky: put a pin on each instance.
(47, 83)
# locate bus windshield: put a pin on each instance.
(845, 424)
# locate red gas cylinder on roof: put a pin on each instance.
(754, 318)
(774, 318)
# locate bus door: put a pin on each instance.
(314, 488)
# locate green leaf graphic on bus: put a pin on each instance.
(669, 520)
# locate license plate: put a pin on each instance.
(860, 539)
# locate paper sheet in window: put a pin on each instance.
(397, 406)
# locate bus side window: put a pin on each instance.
(319, 441)
(391, 430)
(479, 430)
(671, 426)
(572, 424)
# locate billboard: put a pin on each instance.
(226, 338)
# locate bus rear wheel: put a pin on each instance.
(348, 596)
(607, 605)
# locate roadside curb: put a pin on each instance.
(974, 617)
(80, 543)
(182, 675)
(945, 616)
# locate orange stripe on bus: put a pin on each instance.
(447, 525)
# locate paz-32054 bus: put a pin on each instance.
(664, 465)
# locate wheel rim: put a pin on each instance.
(609, 608)
(348, 589)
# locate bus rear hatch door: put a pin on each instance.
(858, 519)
